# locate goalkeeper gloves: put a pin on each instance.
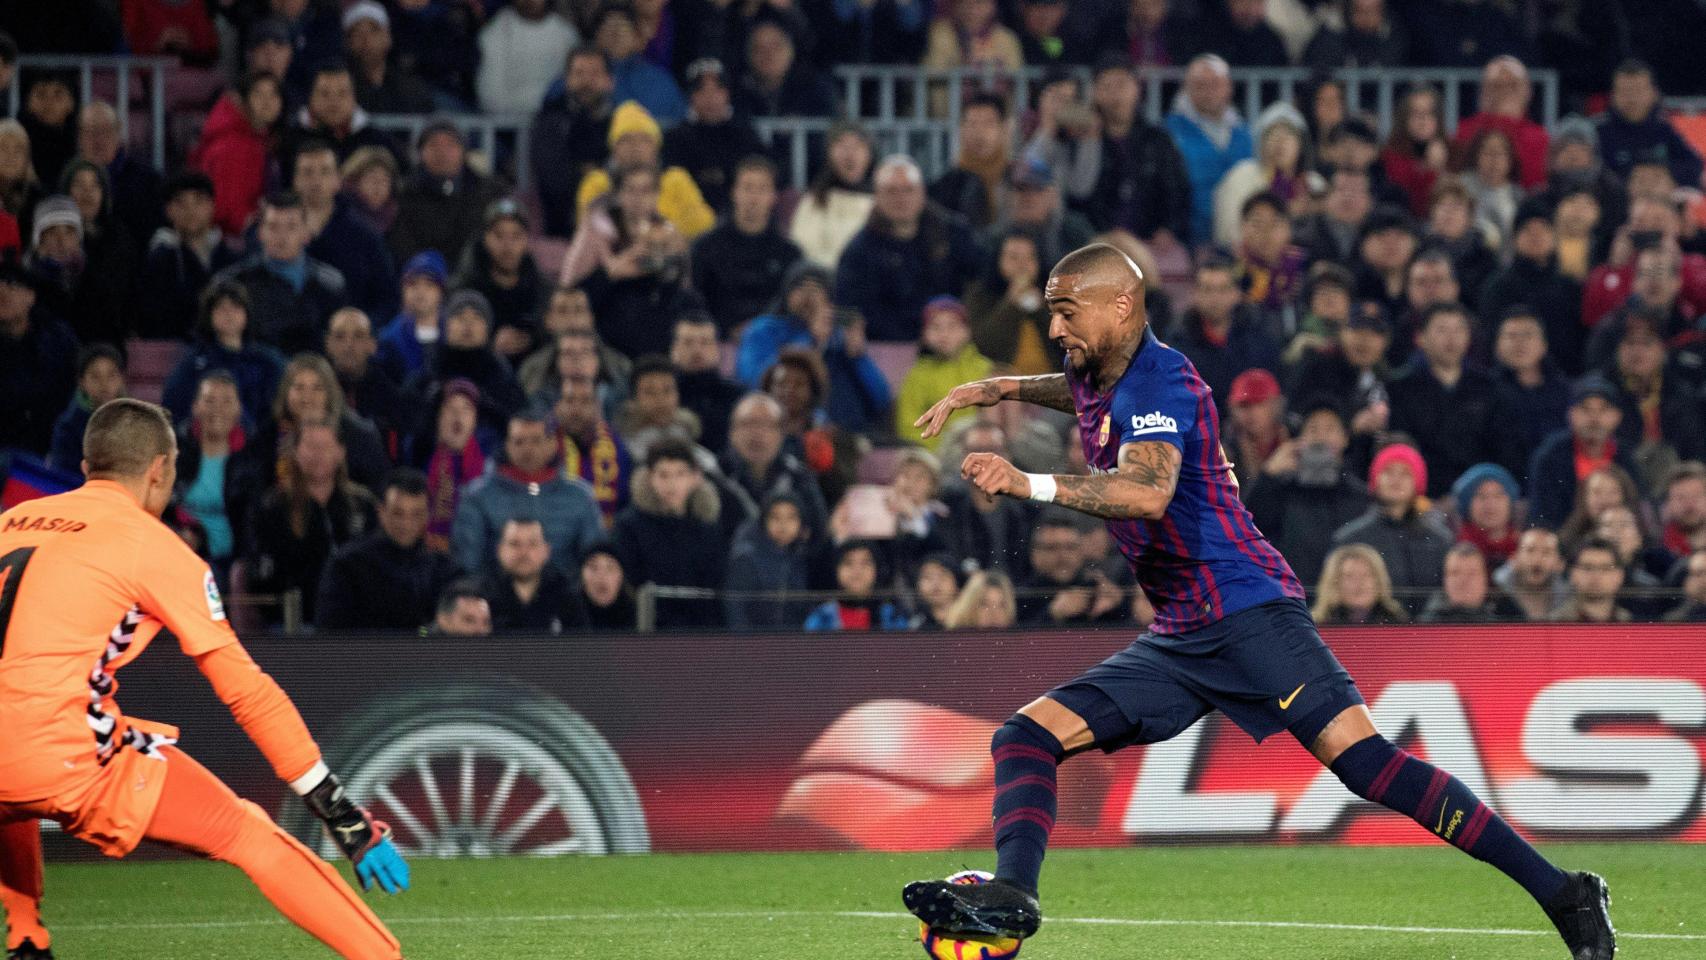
(366, 841)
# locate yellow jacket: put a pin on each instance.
(931, 379)
(679, 200)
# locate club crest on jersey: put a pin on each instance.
(1156, 422)
(1107, 426)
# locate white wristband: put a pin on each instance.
(305, 784)
(1043, 487)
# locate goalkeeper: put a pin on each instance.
(87, 580)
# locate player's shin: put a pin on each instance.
(21, 883)
(1375, 769)
(1026, 758)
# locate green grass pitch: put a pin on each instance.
(1322, 903)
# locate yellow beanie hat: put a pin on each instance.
(630, 117)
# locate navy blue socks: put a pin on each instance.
(1376, 770)
(1026, 757)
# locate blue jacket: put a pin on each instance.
(1623, 144)
(756, 564)
(400, 353)
(370, 277)
(67, 450)
(565, 508)
(889, 280)
(764, 340)
(1206, 164)
(859, 394)
(640, 79)
(888, 617)
(256, 368)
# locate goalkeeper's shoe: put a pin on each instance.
(29, 951)
(996, 908)
(1582, 914)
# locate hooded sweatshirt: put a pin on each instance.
(236, 157)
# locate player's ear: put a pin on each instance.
(85, 468)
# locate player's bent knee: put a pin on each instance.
(1021, 732)
(1330, 731)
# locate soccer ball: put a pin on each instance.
(943, 946)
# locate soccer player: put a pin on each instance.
(87, 580)
(1231, 630)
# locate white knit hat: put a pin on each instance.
(55, 211)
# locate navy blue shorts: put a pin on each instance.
(1266, 668)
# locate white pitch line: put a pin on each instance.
(866, 915)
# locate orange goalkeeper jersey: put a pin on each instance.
(87, 579)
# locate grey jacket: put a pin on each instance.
(1414, 548)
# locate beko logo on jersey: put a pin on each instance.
(1156, 422)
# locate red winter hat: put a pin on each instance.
(1253, 386)
(1400, 453)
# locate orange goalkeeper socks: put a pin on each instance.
(199, 813)
(21, 882)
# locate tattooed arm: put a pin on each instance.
(1049, 390)
(1140, 490)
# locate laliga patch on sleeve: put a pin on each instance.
(215, 606)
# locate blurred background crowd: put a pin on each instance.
(644, 362)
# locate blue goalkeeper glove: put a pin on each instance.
(366, 841)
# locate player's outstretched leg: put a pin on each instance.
(21, 891)
(1577, 903)
(1026, 758)
(199, 813)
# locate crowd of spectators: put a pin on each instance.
(1461, 372)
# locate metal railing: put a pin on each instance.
(88, 67)
(499, 135)
(931, 142)
(1650, 603)
(904, 92)
(246, 608)
(895, 103)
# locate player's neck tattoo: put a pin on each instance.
(1107, 374)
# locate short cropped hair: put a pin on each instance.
(458, 590)
(87, 356)
(649, 364)
(189, 181)
(219, 376)
(670, 449)
(1594, 543)
(1442, 309)
(124, 436)
(761, 163)
(285, 200)
(405, 480)
(313, 145)
(1463, 548)
(986, 99)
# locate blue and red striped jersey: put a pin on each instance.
(1204, 559)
